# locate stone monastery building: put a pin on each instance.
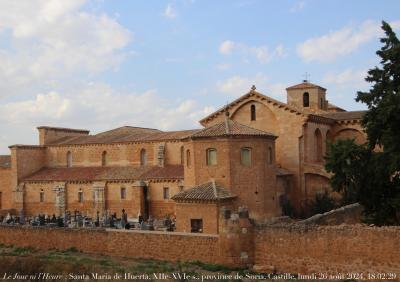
(256, 152)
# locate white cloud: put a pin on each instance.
(237, 86)
(170, 12)
(298, 7)
(262, 53)
(338, 43)
(54, 39)
(226, 47)
(89, 108)
(348, 77)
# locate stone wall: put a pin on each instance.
(5, 188)
(133, 244)
(281, 248)
(327, 249)
(350, 214)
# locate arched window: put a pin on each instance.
(245, 156)
(253, 112)
(211, 156)
(80, 196)
(306, 99)
(188, 160)
(143, 157)
(318, 145)
(182, 156)
(270, 156)
(104, 158)
(41, 196)
(322, 103)
(123, 193)
(69, 159)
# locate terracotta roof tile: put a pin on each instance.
(230, 128)
(344, 115)
(125, 134)
(166, 172)
(5, 161)
(304, 85)
(252, 93)
(209, 191)
(104, 173)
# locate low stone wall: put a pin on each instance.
(306, 249)
(134, 244)
(350, 214)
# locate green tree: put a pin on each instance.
(361, 172)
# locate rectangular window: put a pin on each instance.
(245, 156)
(80, 197)
(41, 196)
(123, 193)
(1, 198)
(166, 193)
(211, 156)
(196, 225)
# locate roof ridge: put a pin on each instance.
(214, 188)
(247, 95)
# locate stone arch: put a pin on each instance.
(265, 117)
(306, 99)
(350, 133)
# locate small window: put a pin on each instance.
(123, 193)
(80, 196)
(188, 160)
(182, 156)
(245, 156)
(322, 103)
(181, 188)
(196, 225)
(69, 159)
(166, 193)
(270, 155)
(253, 112)
(104, 158)
(211, 156)
(1, 200)
(41, 196)
(306, 99)
(143, 157)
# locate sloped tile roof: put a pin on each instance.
(344, 115)
(333, 106)
(166, 172)
(305, 85)
(230, 128)
(5, 161)
(125, 134)
(251, 94)
(209, 191)
(105, 173)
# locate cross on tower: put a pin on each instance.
(306, 76)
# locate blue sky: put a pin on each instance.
(166, 64)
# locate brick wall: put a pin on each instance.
(284, 248)
(133, 244)
(328, 249)
(5, 188)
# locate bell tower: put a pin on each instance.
(307, 97)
